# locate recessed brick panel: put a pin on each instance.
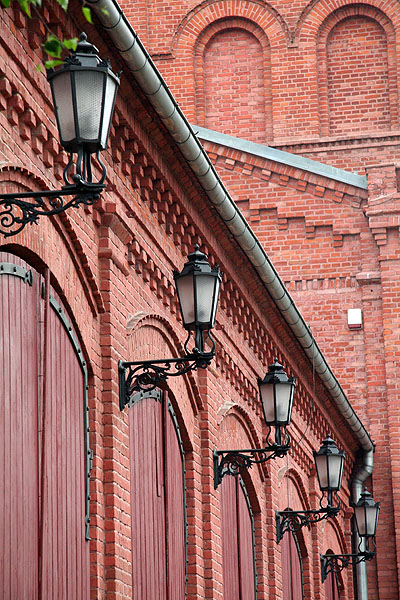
(234, 85)
(358, 85)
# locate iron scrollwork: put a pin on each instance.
(235, 462)
(334, 563)
(294, 520)
(20, 208)
(149, 374)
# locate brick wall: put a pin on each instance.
(234, 85)
(111, 265)
(358, 86)
(331, 91)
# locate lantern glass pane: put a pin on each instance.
(267, 398)
(372, 514)
(64, 105)
(335, 470)
(184, 286)
(108, 106)
(360, 515)
(322, 471)
(283, 393)
(89, 100)
(204, 298)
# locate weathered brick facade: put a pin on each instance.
(319, 80)
(334, 242)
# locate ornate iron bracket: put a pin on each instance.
(337, 562)
(294, 520)
(19, 209)
(235, 462)
(148, 374)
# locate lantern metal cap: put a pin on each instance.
(329, 447)
(366, 500)
(86, 55)
(85, 47)
(276, 374)
(197, 261)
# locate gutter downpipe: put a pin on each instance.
(152, 84)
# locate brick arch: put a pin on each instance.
(334, 538)
(258, 125)
(318, 11)
(202, 16)
(298, 486)
(153, 336)
(248, 431)
(22, 179)
(343, 16)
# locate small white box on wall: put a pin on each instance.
(354, 318)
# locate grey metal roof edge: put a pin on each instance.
(279, 156)
(153, 85)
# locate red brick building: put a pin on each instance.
(318, 80)
(84, 289)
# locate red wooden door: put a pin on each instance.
(19, 449)
(65, 555)
(246, 545)
(229, 538)
(291, 568)
(175, 506)
(43, 452)
(238, 558)
(157, 500)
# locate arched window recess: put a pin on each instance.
(198, 288)
(366, 513)
(276, 395)
(329, 462)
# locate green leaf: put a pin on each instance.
(70, 44)
(39, 68)
(63, 4)
(24, 4)
(53, 46)
(87, 14)
(50, 64)
(105, 12)
(5, 3)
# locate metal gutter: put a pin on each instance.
(284, 158)
(152, 84)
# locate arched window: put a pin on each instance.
(292, 568)
(157, 499)
(234, 84)
(358, 76)
(44, 454)
(238, 548)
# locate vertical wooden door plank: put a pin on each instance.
(149, 580)
(174, 476)
(229, 535)
(246, 549)
(65, 560)
(18, 434)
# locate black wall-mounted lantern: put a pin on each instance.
(329, 462)
(198, 288)
(84, 89)
(276, 395)
(366, 513)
